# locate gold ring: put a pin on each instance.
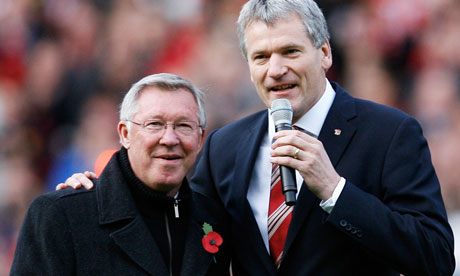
(296, 153)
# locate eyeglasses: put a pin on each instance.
(183, 128)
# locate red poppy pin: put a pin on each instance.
(211, 240)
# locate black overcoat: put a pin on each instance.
(101, 232)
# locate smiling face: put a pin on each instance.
(161, 160)
(284, 63)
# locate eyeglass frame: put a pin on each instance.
(164, 126)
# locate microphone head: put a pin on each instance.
(281, 111)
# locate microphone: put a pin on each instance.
(281, 112)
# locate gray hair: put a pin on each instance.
(170, 82)
(269, 11)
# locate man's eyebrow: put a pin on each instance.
(258, 52)
(282, 48)
(291, 45)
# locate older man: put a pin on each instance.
(142, 218)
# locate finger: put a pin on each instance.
(74, 181)
(83, 180)
(285, 141)
(298, 140)
(90, 175)
(61, 186)
(286, 151)
(287, 161)
(296, 153)
(298, 133)
(68, 184)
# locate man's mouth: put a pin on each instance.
(282, 87)
(169, 157)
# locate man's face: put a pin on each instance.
(284, 63)
(162, 159)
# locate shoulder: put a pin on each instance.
(250, 124)
(66, 194)
(366, 111)
(60, 201)
(369, 108)
(388, 121)
(245, 122)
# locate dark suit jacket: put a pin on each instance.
(100, 232)
(389, 219)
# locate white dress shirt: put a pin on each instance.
(259, 187)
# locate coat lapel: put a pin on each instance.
(249, 145)
(116, 204)
(305, 201)
(196, 259)
(137, 242)
(245, 160)
(336, 133)
(339, 128)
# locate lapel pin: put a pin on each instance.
(337, 131)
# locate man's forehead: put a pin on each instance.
(166, 99)
(281, 32)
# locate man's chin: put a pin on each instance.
(168, 185)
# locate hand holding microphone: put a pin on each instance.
(317, 170)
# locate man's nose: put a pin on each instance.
(276, 67)
(169, 136)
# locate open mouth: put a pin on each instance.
(283, 87)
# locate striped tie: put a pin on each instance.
(279, 217)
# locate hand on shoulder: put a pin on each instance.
(77, 180)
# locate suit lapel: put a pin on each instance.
(248, 148)
(247, 154)
(338, 129)
(115, 204)
(336, 133)
(305, 201)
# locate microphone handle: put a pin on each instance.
(287, 174)
(288, 182)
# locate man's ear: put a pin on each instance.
(202, 138)
(123, 132)
(326, 59)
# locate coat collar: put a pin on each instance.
(115, 204)
(114, 198)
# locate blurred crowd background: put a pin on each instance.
(65, 65)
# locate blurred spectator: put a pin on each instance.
(436, 103)
(16, 197)
(61, 58)
(94, 134)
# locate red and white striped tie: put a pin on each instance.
(279, 217)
